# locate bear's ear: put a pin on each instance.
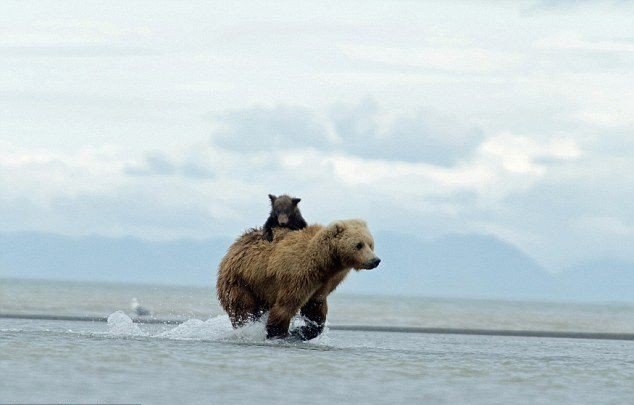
(360, 222)
(296, 201)
(336, 227)
(272, 198)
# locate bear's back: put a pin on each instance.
(249, 256)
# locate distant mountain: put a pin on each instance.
(96, 258)
(475, 266)
(598, 280)
(464, 266)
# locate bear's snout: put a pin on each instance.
(282, 219)
(369, 264)
(374, 263)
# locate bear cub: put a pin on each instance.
(285, 214)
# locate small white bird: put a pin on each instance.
(138, 308)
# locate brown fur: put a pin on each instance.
(296, 272)
(284, 214)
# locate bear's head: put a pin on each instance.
(354, 244)
(284, 207)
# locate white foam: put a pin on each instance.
(217, 329)
(119, 324)
(298, 322)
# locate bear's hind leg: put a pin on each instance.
(279, 320)
(244, 306)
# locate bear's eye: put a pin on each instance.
(359, 245)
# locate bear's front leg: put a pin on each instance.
(314, 313)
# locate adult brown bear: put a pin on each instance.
(295, 272)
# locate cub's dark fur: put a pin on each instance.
(284, 213)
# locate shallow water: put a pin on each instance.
(101, 299)
(205, 361)
(202, 362)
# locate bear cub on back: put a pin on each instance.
(285, 214)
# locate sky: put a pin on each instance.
(163, 120)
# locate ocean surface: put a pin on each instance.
(203, 360)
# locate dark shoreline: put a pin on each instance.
(365, 328)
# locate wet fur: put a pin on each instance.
(295, 273)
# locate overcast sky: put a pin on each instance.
(164, 120)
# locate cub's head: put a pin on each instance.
(284, 207)
(354, 243)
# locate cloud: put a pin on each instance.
(359, 129)
(572, 42)
(193, 170)
(38, 173)
(462, 60)
(155, 164)
(84, 50)
(417, 172)
(52, 37)
(615, 117)
(269, 129)
(521, 129)
(523, 155)
(158, 164)
(546, 5)
(603, 225)
(70, 32)
(502, 165)
(106, 189)
(576, 211)
(92, 191)
(419, 137)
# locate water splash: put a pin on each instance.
(119, 324)
(217, 329)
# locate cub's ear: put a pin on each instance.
(272, 198)
(336, 227)
(296, 200)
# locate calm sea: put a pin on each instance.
(204, 361)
